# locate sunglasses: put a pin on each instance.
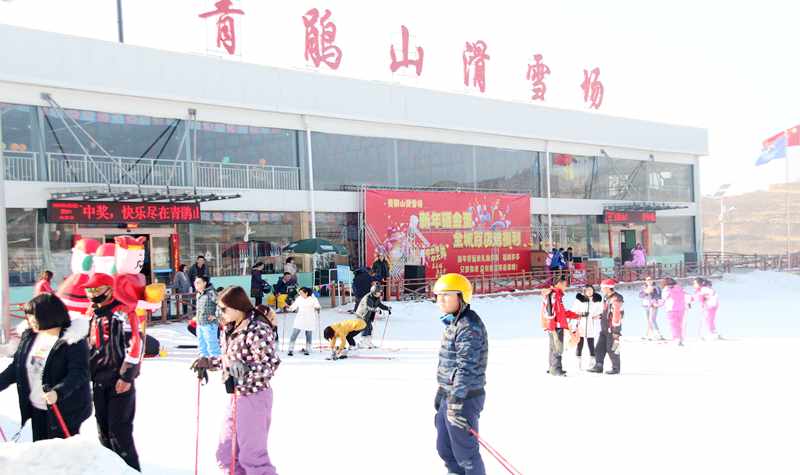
(95, 290)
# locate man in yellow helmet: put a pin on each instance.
(461, 376)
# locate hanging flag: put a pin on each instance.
(793, 136)
(774, 149)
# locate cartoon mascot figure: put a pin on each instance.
(72, 290)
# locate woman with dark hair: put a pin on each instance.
(589, 305)
(258, 286)
(51, 366)
(43, 284)
(248, 362)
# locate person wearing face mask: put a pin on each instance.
(113, 367)
(461, 376)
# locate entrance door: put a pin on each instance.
(627, 242)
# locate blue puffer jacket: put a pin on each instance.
(463, 357)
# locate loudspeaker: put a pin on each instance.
(417, 273)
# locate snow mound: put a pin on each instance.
(79, 455)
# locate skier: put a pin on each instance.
(554, 321)
(207, 328)
(589, 305)
(366, 311)
(651, 296)
(248, 364)
(307, 307)
(362, 282)
(709, 303)
(113, 369)
(50, 367)
(344, 332)
(610, 329)
(461, 376)
(674, 302)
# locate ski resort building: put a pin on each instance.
(276, 155)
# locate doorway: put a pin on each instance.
(627, 242)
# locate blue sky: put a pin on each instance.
(726, 67)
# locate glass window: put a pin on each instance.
(670, 182)
(350, 160)
(573, 176)
(121, 135)
(220, 237)
(35, 246)
(672, 235)
(242, 144)
(340, 228)
(571, 231)
(435, 165)
(507, 170)
(19, 129)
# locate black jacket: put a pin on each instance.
(257, 282)
(66, 372)
(362, 282)
(381, 269)
(194, 271)
(463, 357)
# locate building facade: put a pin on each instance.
(298, 146)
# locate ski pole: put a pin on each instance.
(385, 326)
(197, 431)
(502, 460)
(3, 434)
(60, 419)
(233, 435)
(319, 331)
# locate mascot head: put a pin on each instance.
(129, 254)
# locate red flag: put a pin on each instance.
(793, 136)
(768, 143)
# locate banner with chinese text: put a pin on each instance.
(465, 232)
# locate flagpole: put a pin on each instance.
(788, 216)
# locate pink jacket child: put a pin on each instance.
(674, 302)
(709, 303)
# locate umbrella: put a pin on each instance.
(315, 246)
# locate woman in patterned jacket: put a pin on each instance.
(248, 362)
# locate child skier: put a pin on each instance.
(651, 296)
(366, 311)
(709, 303)
(674, 302)
(610, 329)
(344, 332)
(554, 322)
(207, 328)
(307, 307)
(589, 306)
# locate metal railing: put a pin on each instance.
(81, 168)
(21, 166)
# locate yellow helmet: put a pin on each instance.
(454, 282)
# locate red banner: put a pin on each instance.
(465, 232)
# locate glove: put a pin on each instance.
(455, 407)
(201, 366)
(437, 402)
(238, 370)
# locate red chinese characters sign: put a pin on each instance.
(468, 233)
(112, 212)
(626, 217)
(226, 27)
(474, 59)
(319, 40)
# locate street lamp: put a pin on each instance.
(723, 212)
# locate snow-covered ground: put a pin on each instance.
(716, 407)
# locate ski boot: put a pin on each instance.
(613, 371)
(595, 369)
(290, 353)
(306, 352)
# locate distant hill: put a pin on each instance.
(758, 224)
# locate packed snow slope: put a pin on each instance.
(723, 407)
